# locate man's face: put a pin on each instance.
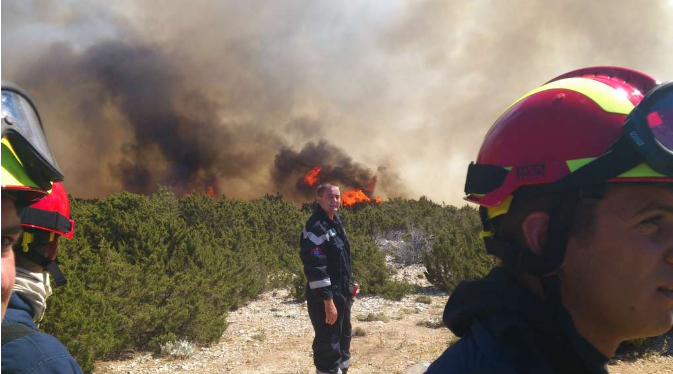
(11, 231)
(330, 200)
(618, 280)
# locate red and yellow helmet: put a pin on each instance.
(51, 214)
(556, 129)
(16, 181)
(28, 166)
(43, 223)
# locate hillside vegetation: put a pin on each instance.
(146, 270)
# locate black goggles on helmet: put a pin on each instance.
(21, 125)
(650, 128)
(647, 136)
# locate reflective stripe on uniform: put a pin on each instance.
(320, 283)
(318, 371)
(345, 364)
(318, 240)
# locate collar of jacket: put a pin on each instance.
(19, 311)
(323, 215)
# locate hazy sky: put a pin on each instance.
(135, 93)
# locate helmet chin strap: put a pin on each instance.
(49, 265)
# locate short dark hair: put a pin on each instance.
(508, 226)
(324, 187)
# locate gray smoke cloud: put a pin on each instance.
(210, 95)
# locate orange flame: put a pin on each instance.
(311, 178)
(210, 191)
(378, 200)
(354, 196)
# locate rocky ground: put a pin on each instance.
(273, 334)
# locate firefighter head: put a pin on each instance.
(28, 170)
(43, 224)
(329, 198)
(574, 186)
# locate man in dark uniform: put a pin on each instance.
(326, 255)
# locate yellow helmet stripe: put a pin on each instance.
(13, 173)
(609, 99)
(501, 208)
(643, 170)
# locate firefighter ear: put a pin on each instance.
(534, 229)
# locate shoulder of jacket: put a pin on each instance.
(475, 352)
(21, 316)
(316, 226)
(49, 345)
(45, 351)
(318, 233)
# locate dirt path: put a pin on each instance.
(273, 335)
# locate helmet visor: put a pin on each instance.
(21, 125)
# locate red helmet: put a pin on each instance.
(544, 140)
(51, 213)
(554, 130)
(41, 222)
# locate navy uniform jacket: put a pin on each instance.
(326, 254)
(36, 353)
(506, 329)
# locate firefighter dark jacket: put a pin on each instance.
(33, 352)
(326, 254)
(506, 329)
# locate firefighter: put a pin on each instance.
(28, 169)
(24, 348)
(325, 252)
(574, 183)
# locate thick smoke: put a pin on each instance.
(173, 135)
(222, 94)
(336, 167)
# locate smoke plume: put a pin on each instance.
(243, 99)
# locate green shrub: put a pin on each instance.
(393, 290)
(359, 332)
(431, 324)
(424, 299)
(373, 317)
(455, 256)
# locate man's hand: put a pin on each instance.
(330, 312)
